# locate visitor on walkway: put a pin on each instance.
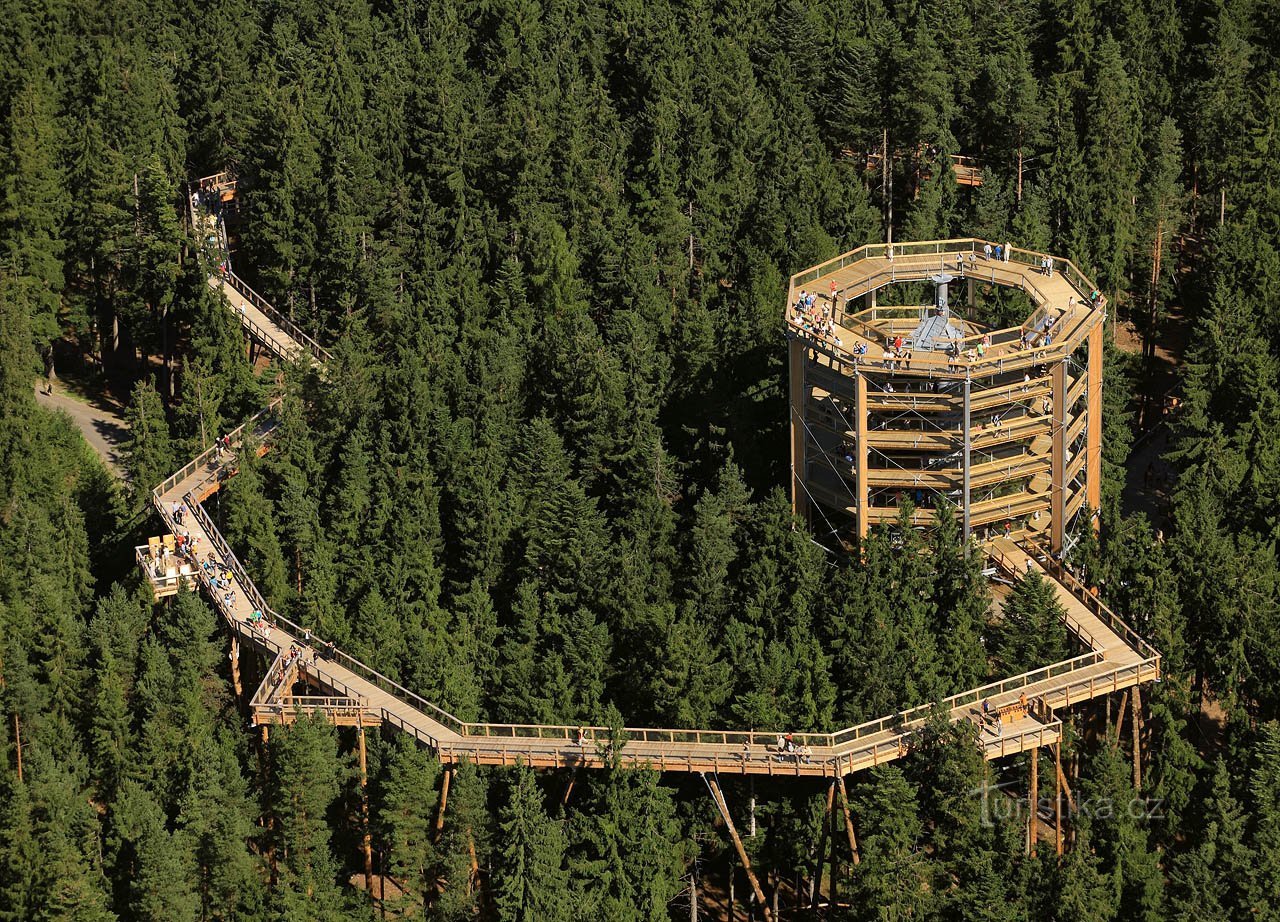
(986, 251)
(1008, 248)
(999, 252)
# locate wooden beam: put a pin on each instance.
(1066, 788)
(848, 820)
(815, 882)
(366, 839)
(235, 666)
(1124, 706)
(444, 801)
(860, 453)
(798, 356)
(966, 491)
(568, 787)
(1058, 477)
(1093, 437)
(718, 796)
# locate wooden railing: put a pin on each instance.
(287, 326)
(205, 457)
(905, 266)
(1090, 601)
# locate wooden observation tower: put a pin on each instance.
(922, 406)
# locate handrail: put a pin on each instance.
(1091, 601)
(205, 456)
(901, 722)
(241, 287)
(905, 266)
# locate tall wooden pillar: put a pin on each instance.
(798, 355)
(1058, 459)
(366, 839)
(815, 884)
(860, 454)
(968, 449)
(235, 667)
(444, 802)
(1093, 427)
(848, 820)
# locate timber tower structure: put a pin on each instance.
(906, 393)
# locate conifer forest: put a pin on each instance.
(542, 476)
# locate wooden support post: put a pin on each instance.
(568, 788)
(235, 667)
(965, 492)
(1066, 788)
(1093, 426)
(860, 453)
(1124, 706)
(1058, 459)
(444, 802)
(1033, 802)
(798, 356)
(718, 796)
(1057, 798)
(848, 820)
(815, 882)
(1136, 725)
(366, 839)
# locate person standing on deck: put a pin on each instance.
(986, 251)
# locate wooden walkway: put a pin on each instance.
(349, 692)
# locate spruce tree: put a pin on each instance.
(530, 881)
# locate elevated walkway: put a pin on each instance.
(348, 692)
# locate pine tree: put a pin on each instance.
(35, 201)
(409, 822)
(1031, 632)
(305, 781)
(149, 455)
(531, 882)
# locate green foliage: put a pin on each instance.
(1031, 631)
(548, 246)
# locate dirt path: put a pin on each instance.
(99, 420)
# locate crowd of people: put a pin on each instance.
(816, 316)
